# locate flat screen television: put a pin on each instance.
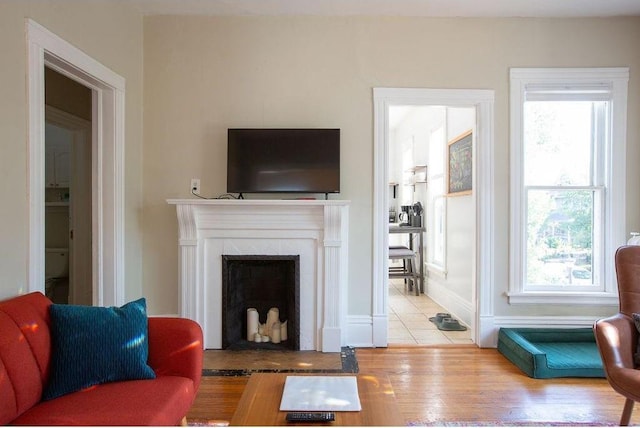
(283, 160)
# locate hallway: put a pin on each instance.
(409, 320)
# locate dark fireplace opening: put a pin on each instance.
(262, 282)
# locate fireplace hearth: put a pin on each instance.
(262, 282)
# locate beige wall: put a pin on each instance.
(205, 74)
(112, 34)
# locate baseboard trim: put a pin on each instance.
(360, 331)
(492, 325)
(360, 327)
(456, 306)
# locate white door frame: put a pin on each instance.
(482, 331)
(108, 89)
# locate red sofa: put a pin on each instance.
(175, 354)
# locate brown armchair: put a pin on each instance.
(617, 336)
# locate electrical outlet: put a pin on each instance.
(195, 186)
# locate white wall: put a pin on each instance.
(411, 137)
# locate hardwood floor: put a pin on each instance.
(455, 384)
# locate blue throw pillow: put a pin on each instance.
(93, 345)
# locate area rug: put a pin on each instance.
(506, 424)
(219, 423)
(257, 361)
(206, 423)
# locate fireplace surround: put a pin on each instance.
(314, 230)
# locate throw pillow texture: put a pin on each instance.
(93, 345)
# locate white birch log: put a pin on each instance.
(283, 331)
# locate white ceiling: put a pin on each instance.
(435, 8)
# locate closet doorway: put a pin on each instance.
(46, 50)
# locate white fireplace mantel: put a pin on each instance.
(316, 230)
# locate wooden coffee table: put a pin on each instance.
(260, 402)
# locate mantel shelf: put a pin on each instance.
(260, 202)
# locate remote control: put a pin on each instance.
(311, 417)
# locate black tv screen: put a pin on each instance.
(283, 160)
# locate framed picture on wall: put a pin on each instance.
(459, 162)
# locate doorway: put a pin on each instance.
(480, 305)
(46, 50)
(418, 145)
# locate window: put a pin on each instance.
(406, 192)
(568, 130)
(436, 206)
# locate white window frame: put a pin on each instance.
(437, 261)
(613, 83)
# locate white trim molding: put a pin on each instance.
(540, 298)
(359, 331)
(108, 88)
(496, 323)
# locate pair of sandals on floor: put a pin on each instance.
(445, 322)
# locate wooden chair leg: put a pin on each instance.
(626, 412)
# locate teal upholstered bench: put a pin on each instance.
(544, 353)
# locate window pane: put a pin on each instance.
(560, 237)
(436, 152)
(558, 143)
(438, 231)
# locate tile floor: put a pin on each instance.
(409, 320)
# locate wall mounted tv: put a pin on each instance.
(283, 160)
